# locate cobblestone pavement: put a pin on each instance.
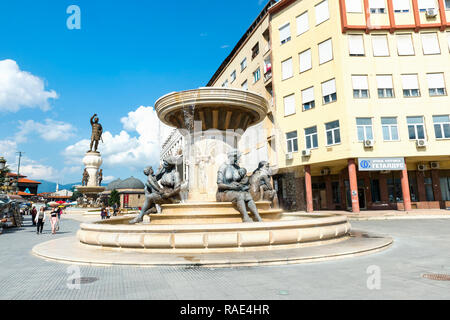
(421, 246)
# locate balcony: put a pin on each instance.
(268, 76)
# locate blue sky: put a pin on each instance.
(126, 55)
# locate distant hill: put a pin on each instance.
(47, 186)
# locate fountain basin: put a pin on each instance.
(292, 231)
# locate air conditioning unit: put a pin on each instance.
(422, 167)
(434, 165)
(421, 143)
(289, 156)
(306, 153)
(369, 143)
(431, 12)
(325, 172)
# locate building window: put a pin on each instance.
(233, 76)
(255, 51)
(416, 128)
(244, 85)
(375, 190)
(256, 75)
(302, 23)
(289, 105)
(285, 33)
(292, 141)
(360, 87)
(390, 129)
(430, 43)
(436, 84)
(429, 188)
(405, 45)
(243, 64)
(426, 4)
(364, 128)
(447, 4)
(333, 133)
(353, 6)
(286, 69)
(377, 6)
(394, 187)
(410, 84)
(322, 12)
(325, 51)
(308, 99)
(311, 138)
(329, 91)
(305, 60)
(442, 127)
(356, 45)
(385, 86)
(402, 6)
(380, 46)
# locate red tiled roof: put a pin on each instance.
(21, 193)
(12, 174)
(28, 181)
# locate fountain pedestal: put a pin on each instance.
(92, 162)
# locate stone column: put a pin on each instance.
(92, 161)
(421, 186)
(308, 187)
(353, 185)
(405, 190)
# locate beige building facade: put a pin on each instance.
(356, 83)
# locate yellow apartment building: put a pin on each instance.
(360, 91)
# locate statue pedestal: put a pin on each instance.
(92, 161)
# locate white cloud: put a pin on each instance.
(50, 130)
(8, 149)
(123, 149)
(108, 178)
(20, 89)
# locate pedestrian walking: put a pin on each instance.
(54, 219)
(33, 215)
(39, 220)
(103, 213)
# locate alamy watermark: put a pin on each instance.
(374, 279)
(74, 20)
(73, 281)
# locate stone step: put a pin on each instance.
(207, 207)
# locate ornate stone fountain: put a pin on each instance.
(203, 231)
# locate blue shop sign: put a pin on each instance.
(381, 164)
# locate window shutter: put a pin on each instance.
(380, 46)
(360, 83)
(385, 82)
(356, 44)
(322, 12)
(405, 45)
(435, 80)
(302, 23)
(377, 4)
(305, 60)
(289, 105)
(410, 81)
(402, 4)
(430, 43)
(353, 6)
(308, 95)
(286, 69)
(285, 32)
(329, 87)
(325, 51)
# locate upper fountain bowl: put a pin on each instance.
(216, 108)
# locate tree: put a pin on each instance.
(76, 195)
(114, 198)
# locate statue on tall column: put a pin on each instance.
(261, 185)
(232, 183)
(97, 131)
(85, 180)
(167, 193)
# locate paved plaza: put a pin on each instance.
(421, 246)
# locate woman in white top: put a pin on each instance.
(40, 219)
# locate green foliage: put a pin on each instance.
(76, 195)
(114, 198)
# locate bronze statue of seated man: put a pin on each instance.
(233, 187)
